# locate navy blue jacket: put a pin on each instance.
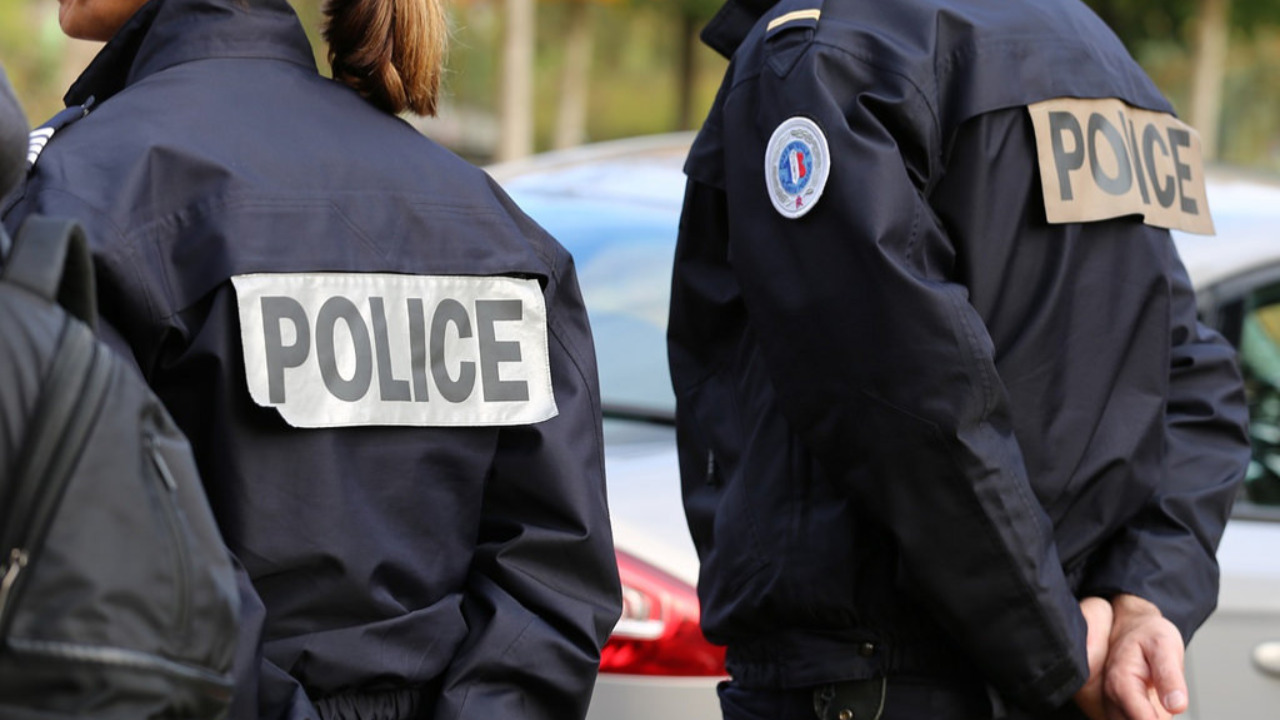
(918, 421)
(397, 572)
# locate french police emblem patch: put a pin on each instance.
(796, 164)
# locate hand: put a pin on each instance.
(1144, 676)
(1098, 618)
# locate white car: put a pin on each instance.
(616, 207)
(1233, 663)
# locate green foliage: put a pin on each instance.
(1251, 15)
(1161, 35)
(634, 73)
(42, 63)
(32, 52)
(1251, 100)
(1138, 22)
(698, 9)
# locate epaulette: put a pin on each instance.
(807, 18)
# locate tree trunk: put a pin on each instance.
(575, 76)
(515, 104)
(1212, 32)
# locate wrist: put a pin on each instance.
(1134, 605)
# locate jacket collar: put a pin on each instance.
(164, 33)
(732, 23)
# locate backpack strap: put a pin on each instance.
(51, 258)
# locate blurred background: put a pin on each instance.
(532, 75)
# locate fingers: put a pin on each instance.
(1098, 616)
(1154, 698)
(1165, 658)
(1127, 692)
(1144, 677)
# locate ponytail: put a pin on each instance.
(389, 51)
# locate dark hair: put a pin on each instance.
(389, 51)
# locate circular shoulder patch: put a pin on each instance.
(796, 165)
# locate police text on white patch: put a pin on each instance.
(341, 349)
(1102, 159)
(796, 164)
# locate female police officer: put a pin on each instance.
(944, 403)
(384, 367)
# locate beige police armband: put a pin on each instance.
(1102, 159)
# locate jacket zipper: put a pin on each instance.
(17, 561)
(168, 501)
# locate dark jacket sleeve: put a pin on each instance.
(886, 369)
(543, 593)
(1167, 553)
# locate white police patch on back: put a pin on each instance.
(796, 164)
(341, 349)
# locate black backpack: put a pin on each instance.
(117, 596)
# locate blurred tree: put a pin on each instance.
(575, 71)
(487, 105)
(1210, 71)
(575, 74)
(692, 16)
(639, 67)
(1201, 28)
(515, 97)
(39, 60)
(636, 88)
(311, 15)
(1139, 21)
(42, 62)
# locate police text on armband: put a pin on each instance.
(445, 350)
(1102, 159)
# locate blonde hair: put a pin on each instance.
(389, 51)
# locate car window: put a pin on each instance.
(1253, 324)
(622, 250)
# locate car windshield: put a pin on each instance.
(622, 248)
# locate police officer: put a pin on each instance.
(383, 366)
(952, 441)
